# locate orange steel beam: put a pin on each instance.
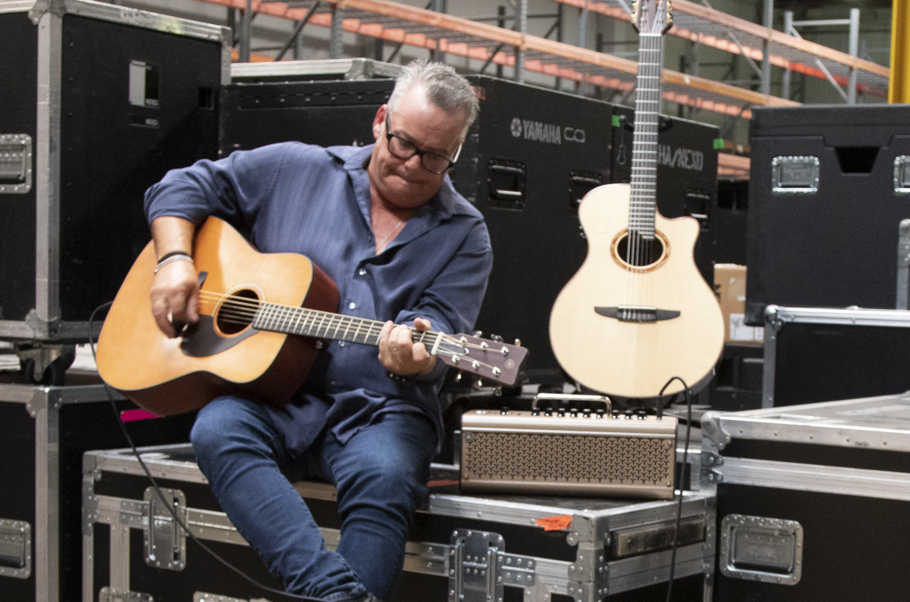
(497, 35)
(759, 31)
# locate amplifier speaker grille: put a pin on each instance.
(569, 463)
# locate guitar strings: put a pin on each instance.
(642, 242)
(238, 309)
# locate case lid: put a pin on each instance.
(870, 423)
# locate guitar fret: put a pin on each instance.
(298, 327)
(304, 328)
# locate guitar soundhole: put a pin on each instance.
(237, 311)
(638, 253)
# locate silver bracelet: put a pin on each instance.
(172, 259)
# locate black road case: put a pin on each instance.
(815, 354)
(99, 101)
(43, 434)
(829, 187)
(468, 548)
(813, 501)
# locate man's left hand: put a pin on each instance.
(398, 352)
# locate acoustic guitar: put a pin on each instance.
(262, 319)
(638, 312)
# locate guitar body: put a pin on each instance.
(628, 358)
(169, 376)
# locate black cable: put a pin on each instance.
(685, 460)
(160, 494)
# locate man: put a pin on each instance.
(386, 225)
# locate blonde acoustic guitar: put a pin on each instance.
(638, 312)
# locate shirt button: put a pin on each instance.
(362, 271)
(352, 305)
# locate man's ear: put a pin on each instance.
(379, 120)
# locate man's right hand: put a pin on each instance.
(175, 297)
(175, 289)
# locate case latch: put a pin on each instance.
(111, 595)
(165, 539)
(758, 548)
(794, 174)
(15, 163)
(15, 549)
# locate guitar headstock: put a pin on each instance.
(488, 359)
(652, 16)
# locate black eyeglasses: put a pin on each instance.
(405, 149)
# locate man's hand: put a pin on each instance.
(398, 353)
(175, 297)
(175, 289)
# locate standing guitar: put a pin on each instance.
(638, 312)
(262, 319)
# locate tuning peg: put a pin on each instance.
(477, 333)
(496, 338)
(458, 376)
(518, 342)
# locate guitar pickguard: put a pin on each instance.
(202, 340)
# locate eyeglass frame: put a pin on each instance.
(417, 150)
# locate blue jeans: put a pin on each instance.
(380, 475)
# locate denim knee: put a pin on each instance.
(231, 424)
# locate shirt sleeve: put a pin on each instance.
(233, 188)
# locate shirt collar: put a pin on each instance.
(443, 204)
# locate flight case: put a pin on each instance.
(461, 547)
(813, 501)
(99, 101)
(815, 354)
(43, 434)
(828, 190)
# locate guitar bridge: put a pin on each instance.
(637, 313)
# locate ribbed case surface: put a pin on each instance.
(518, 451)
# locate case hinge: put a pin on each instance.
(479, 567)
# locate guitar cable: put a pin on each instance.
(160, 494)
(685, 460)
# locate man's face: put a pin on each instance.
(405, 183)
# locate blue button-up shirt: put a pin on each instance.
(293, 197)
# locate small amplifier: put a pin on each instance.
(568, 451)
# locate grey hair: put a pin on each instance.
(444, 87)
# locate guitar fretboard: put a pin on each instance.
(325, 325)
(644, 149)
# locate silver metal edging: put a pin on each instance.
(569, 431)
(812, 477)
(357, 68)
(797, 424)
(896, 318)
(16, 6)
(124, 462)
(47, 168)
(147, 20)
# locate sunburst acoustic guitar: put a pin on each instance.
(262, 319)
(638, 312)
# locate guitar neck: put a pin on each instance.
(644, 149)
(325, 325)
